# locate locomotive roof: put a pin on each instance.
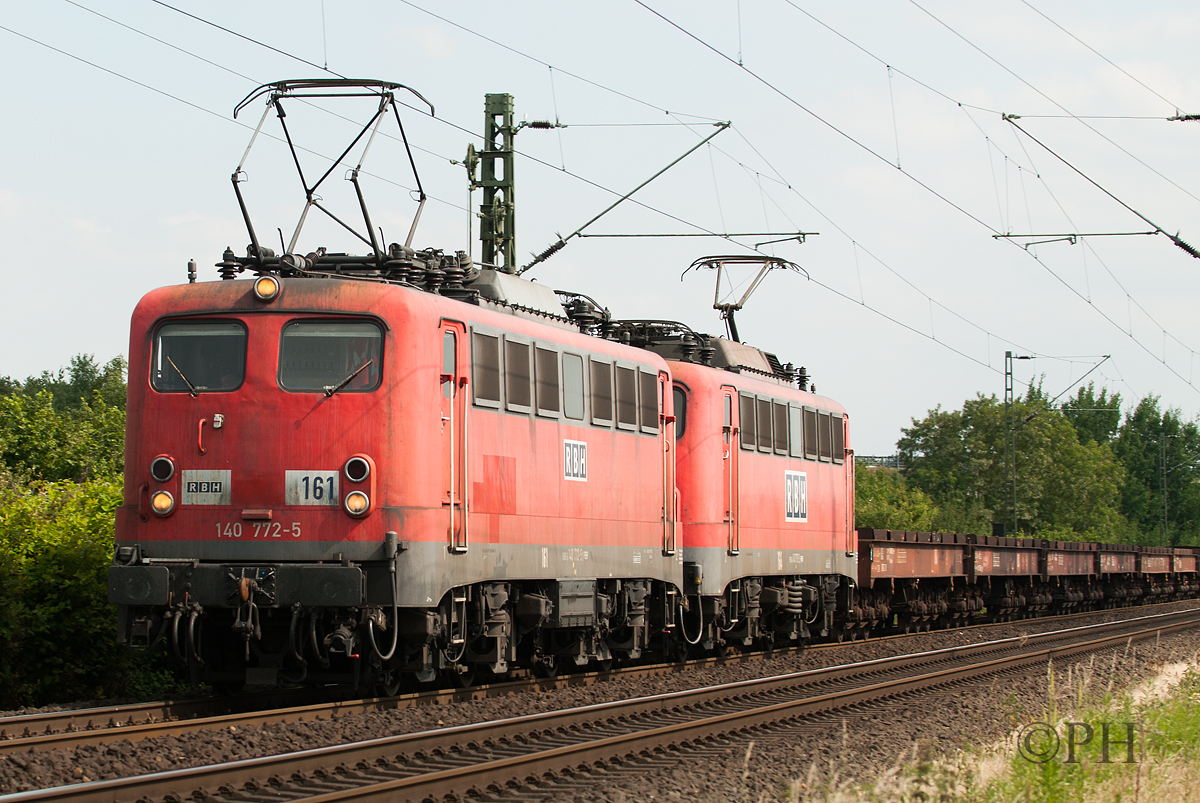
(457, 276)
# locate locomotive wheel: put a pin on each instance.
(461, 680)
(386, 684)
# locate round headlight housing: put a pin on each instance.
(357, 504)
(162, 503)
(266, 288)
(162, 468)
(357, 469)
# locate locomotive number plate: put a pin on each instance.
(311, 488)
(257, 529)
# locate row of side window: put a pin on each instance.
(516, 374)
(778, 427)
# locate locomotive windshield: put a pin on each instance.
(319, 355)
(198, 357)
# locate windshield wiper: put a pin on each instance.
(191, 388)
(332, 389)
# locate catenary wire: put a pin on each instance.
(1093, 129)
(200, 108)
(813, 114)
(783, 94)
(248, 38)
(594, 184)
(536, 60)
(966, 111)
(1099, 54)
(276, 50)
(444, 121)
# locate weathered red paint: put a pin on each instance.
(733, 499)
(513, 477)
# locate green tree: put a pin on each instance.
(76, 385)
(68, 425)
(41, 443)
(1065, 489)
(1161, 455)
(1095, 417)
(56, 625)
(61, 455)
(882, 500)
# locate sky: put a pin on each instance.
(903, 136)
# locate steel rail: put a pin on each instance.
(512, 771)
(61, 730)
(446, 745)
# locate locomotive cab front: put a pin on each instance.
(253, 437)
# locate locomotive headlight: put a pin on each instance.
(266, 288)
(162, 503)
(357, 503)
(357, 469)
(162, 468)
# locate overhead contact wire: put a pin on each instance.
(418, 110)
(787, 97)
(197, 107)
(248, 38)
(536, 60)
(1102, 56)
(813, 114)
(1094, 130)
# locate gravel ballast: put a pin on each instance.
(858, 745)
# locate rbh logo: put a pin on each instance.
(575, 460)
(204, 487)
(795, 496)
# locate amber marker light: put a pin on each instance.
(357, 503)
(162, 503)
(266, 288)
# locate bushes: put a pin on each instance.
(57, 629)
(61, 454)
(56, 625)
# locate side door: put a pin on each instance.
(666, 435)
(848, 466)
(730, 448)
(454, 401)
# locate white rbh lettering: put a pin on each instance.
(575, 461)
(795, 496)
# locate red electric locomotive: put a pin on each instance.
(317, 466)
(362, 468)
(766, 487)
(768, 512)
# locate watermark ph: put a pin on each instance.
(1041, 742)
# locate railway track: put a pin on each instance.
(492, 757)
(70, 729)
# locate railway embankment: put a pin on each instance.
(762, 764)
